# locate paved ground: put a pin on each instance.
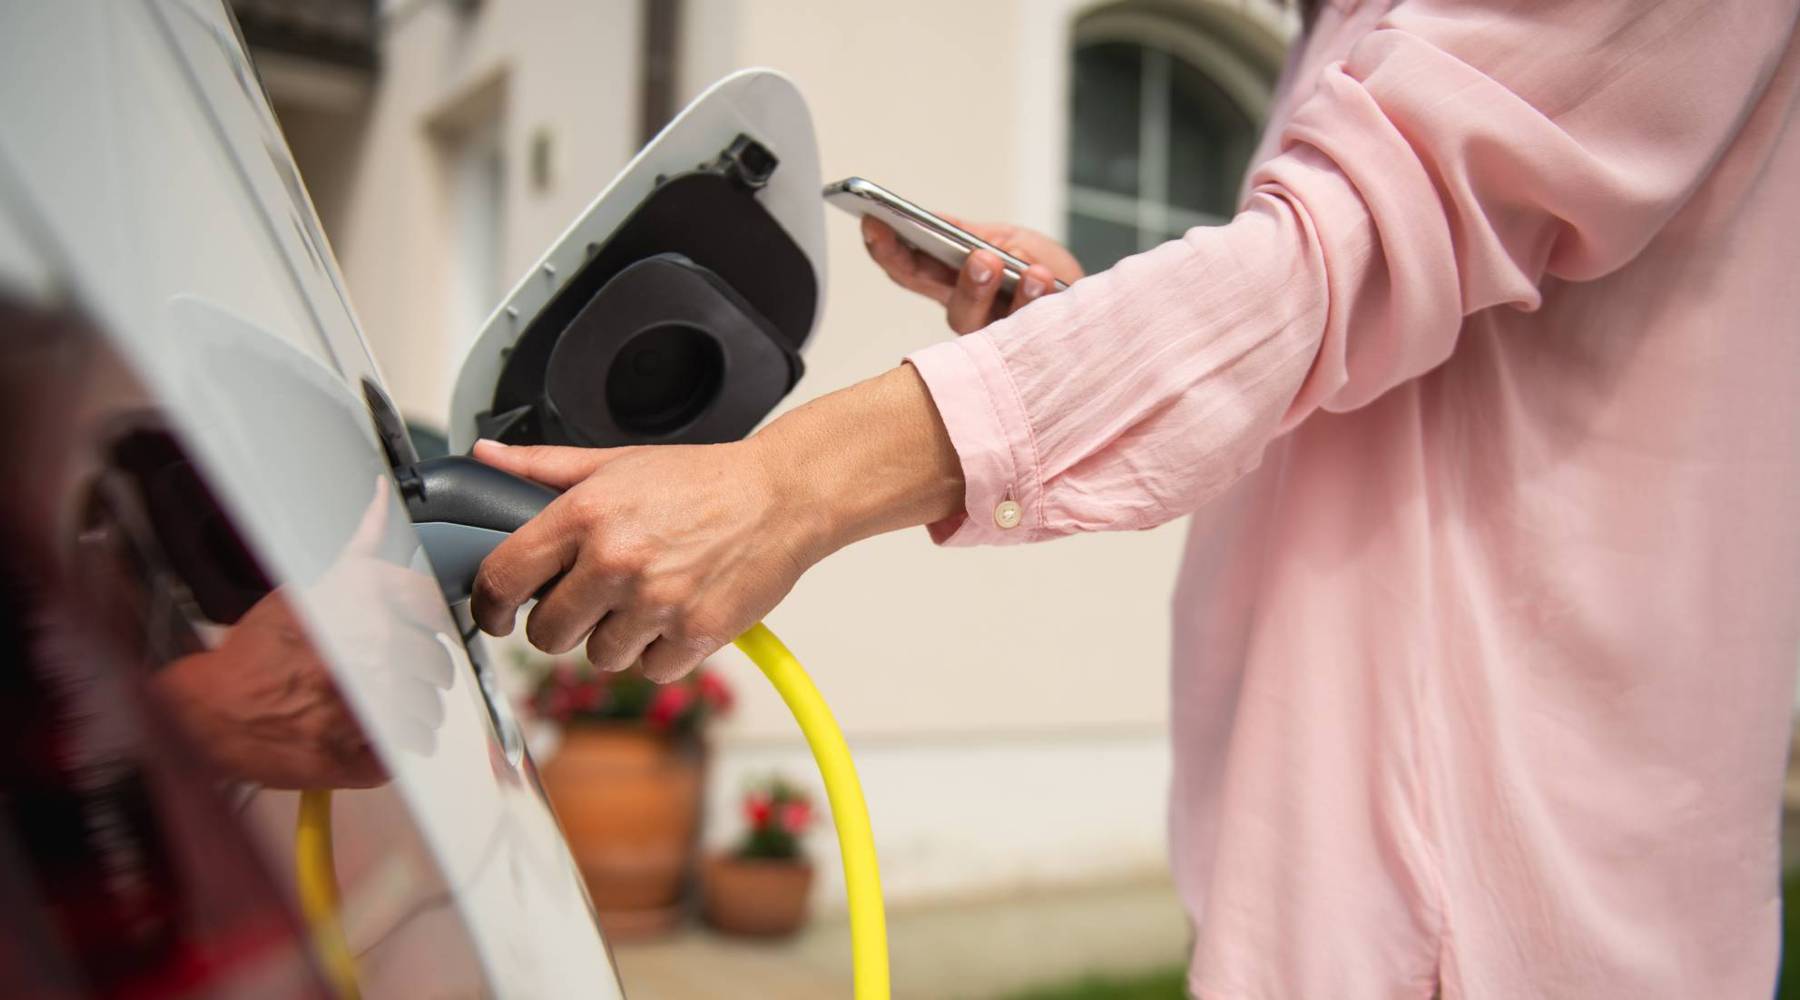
(968, 951)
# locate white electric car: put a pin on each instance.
(214, 587)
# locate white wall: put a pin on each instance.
(566, 69)
(978, 814)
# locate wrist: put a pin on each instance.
(862, 461)
(798, 506)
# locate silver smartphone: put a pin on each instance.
(943, 241)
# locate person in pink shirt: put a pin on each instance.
(1484, 404)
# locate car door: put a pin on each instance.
(205, 461)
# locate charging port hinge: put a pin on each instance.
(748, 163)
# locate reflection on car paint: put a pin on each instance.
(161, 694)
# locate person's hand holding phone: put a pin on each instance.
(971, 297)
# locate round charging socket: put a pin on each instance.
(664, 378)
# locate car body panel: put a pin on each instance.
(141, 170)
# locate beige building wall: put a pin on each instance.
(1008, 707)
(557, 74)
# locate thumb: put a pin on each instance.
(555, 466)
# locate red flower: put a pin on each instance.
(796, 816)
(557, 704)
(757, 807)
(715, 692)
(672, 701)
(588, 695)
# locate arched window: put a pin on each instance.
(1166, 109)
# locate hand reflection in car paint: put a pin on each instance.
(156, 678)
(262, 704)
(346, 544)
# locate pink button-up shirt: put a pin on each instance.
(1486, 401)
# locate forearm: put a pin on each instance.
(864, 460)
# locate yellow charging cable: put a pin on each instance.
(849, 813)
(316, 879)
(317, 872)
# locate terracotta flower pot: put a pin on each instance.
(628, 799)
(755, 896)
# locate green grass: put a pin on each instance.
(1790, 937)
(1163, 984)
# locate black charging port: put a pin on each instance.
(663, 378)
(683, 326)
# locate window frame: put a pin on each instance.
(1238, 49)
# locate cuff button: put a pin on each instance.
(1008, 514)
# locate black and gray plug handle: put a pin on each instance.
(462, 509)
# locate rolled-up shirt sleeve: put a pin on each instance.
(1461, 155)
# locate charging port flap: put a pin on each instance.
(675, 309)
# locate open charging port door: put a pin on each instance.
(675, 308)
(672, 311)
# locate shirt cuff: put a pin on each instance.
(974, 394)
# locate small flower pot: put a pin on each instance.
(756, 897)
(628, 799)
